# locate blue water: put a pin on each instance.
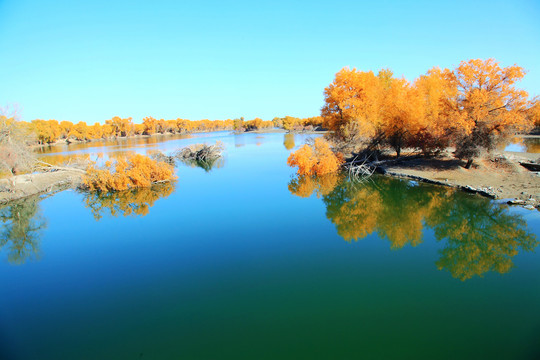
(238, 263)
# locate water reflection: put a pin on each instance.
(532, 145)
(288, 141)
(305, 186)
(524, 144)
(136, 202)
(207, 165)
(478, 235)
(84, 159)
(21, 230)
(239, 140)
(62, 160)
(127, 143)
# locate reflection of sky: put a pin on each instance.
(110, 149)
(166, 144)
(515, 148)
(531, 145)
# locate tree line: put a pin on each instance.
(50, 131)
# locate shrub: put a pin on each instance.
(317, 159)
(135, 171)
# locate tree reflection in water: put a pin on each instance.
(207, 165)
(479, 235)
(288, 141)
(136, 202)
(21, 229)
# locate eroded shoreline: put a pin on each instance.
(499, 176)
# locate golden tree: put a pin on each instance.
(149, 124)
(489, 106)
(352, 104)
(401, 111)
(533, 112)
(120, 126)
(438, 94)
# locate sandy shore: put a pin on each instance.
(21, 186)
(499, 176)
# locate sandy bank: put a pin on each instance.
(499, 176)
(21, 186)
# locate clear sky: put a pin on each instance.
(91, 60)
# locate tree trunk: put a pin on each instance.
(469, 164)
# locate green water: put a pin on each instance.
(244, 260)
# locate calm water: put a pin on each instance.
(524, 144)
(247, 261)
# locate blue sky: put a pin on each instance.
(92, 60)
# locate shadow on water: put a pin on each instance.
(21, 230)
(478, 235)
(136, 202)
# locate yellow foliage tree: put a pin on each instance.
(135, 171)
(490, 107)
(352, 104)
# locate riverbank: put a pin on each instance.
(21, 186)
(499, 176)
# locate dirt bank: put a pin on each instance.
(499, 176)
(21, 186)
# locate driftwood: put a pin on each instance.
(159, 156)
(362, 168)
(200, 152)
(202, 155)
(360, 171)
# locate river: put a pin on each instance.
(244, 260)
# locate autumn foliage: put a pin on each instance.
(471, 107)
(135, 171)
(317, 159)
(291, 123)
(50, 131)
